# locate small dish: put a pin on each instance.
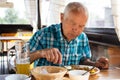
(77, 75)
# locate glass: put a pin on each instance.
(22, 58)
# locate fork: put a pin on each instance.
(88, 70)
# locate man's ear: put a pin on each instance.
(61, 16)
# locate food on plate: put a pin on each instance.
(85, 67)
(92, 71)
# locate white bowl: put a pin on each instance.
(77, 75)
(17, 77)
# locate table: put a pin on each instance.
(110, 74)
(113, 73)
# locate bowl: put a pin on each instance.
(48, 73)
(77, 75)
(17, 77)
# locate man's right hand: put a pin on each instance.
(52, 55)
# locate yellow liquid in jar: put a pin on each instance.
(23, 68)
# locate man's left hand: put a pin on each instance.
(102, 63)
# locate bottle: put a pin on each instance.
(22, 58)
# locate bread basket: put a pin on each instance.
(48, 72)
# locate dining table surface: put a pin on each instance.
(113, 73)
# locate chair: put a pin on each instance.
(3, 63)
(11, 61)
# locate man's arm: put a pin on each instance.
(52, 55)
(88, 62)
(35, 55)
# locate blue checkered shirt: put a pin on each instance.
(73, 52)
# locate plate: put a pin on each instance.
(17, 77)
(84, 67)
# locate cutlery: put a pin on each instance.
(88, 70)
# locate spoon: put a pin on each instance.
(28, 78)
(88, 70)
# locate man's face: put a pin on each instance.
(73, 25)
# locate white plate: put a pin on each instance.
(17, 77)
(78, 67)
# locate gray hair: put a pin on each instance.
(76, 7)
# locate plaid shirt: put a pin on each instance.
(72, 52)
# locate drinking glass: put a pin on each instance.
(22, 58)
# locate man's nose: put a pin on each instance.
(74, 29)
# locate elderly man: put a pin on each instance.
(64, 43)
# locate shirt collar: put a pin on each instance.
(58, 34)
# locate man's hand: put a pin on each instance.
(102, 63)
(52, 55)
